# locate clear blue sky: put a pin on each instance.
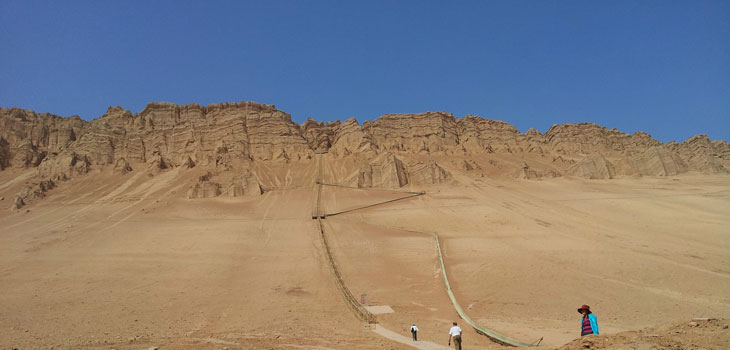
(658, 66)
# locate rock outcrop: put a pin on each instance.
(526, 173)
(63, 166)
(478, 135)
(213, 185)
(702, 155)
(244, 185)
(593, 167)
(386, 171)
(122, 166)
(431, 132)
(318, 135)
(656, 161)
(205, 188)
(349, 138)
(389, 171)
(427, 173)
(32, 192)
(4, 153)
(588, 138)
(392, 151)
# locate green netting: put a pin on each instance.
(499, 338)
(355, 306)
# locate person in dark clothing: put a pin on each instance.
(414, 331)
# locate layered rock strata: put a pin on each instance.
(392, 151)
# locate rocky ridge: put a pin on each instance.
(227, 140)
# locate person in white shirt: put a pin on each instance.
(414, 331)
(455, 335)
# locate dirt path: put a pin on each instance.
(425, 345)
(359, 311)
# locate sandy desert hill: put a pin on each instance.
(191, 227)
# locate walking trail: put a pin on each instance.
(365, 314)
(424, 345)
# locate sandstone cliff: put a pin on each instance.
(246, 147)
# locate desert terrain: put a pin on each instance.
(197, 232)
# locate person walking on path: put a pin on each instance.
(455, 335)
(414, 331)
(588, 323)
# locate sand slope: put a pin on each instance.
(127, 261)
(123, 268)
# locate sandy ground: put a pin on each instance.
(523, 255)
(120, 270)
(126, 262)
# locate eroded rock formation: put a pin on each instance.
(392, 151)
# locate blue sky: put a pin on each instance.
(658, 66)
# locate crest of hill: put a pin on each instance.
(394, 150)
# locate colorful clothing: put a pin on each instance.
(588, 325)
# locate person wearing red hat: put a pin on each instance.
(588, 324)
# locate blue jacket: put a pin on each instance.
(594, 323)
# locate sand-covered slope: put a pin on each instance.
(128, 262)
(109, 257)
(523, 254)
(190, 227)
